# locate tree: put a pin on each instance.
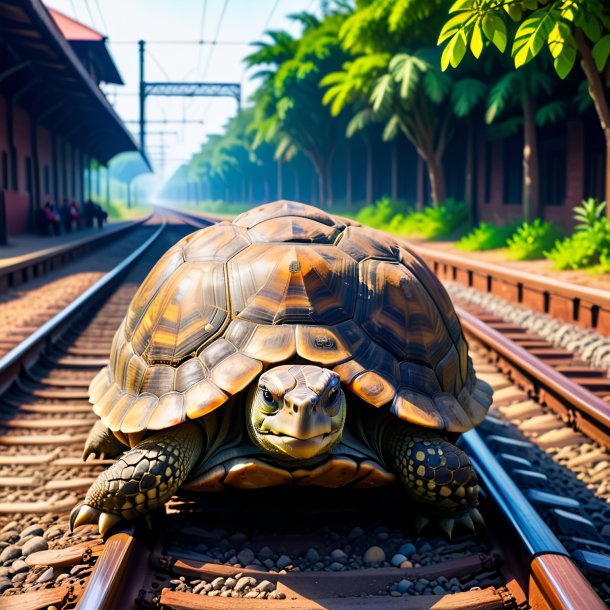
(569, 28)
(395, 76)
(288, 105)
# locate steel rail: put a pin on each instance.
(554, 577)
(12, 362)
(587, 412)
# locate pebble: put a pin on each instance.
(404, 585)
(10, 536)
(335, 566)
(339, 554)
(374, 554)
(34, 545)
(312, 555)
(398, 559)
(268, 563)
(244, 581)
(10, 553)
(5, 584)
(438, 590)
(45, 576)
(217, 583)
(32, 530)
(265, 553)
(265, 585)
(246, 556)
(283, 561)
(356, 532)
(19, 566)
(406, 564)
(19, 577)
(407, 549)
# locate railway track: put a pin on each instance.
(361, 552)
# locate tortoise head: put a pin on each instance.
(296, 411)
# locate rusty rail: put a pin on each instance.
(581, 305)
(581, 408)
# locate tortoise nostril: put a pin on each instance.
(295, 408)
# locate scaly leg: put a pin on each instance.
(436, 474)
(101, 441)
(143, 479)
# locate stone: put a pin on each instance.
(244, 581)
(265, 553)
(5, 584)
(338, 555)
(246, 556)
(268, 563)
(19, 566)
(45, 576)
(32, 530)
(374, 554)
(438, 590)
(404, 585)
(265, 585)
(356, 532)
(230, 583)
(397, 559)
(34, 545)
(9, 554)
(283, 561)
(335, 566)
(312, 555)
(407, 549)
(406, 564)
(218, 583)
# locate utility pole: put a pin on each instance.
(178, 89)
(141, 45)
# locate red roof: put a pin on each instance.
(74, 30)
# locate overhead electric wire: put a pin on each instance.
(270, 15)
(90, 15)
(101, 14)
(211, 53)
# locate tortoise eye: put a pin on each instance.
(271, 403)
(332, 396)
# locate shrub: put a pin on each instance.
(585, 248)
(531, 240)
(380, 214)
(486, 237)
(432, 222)
(588, 213)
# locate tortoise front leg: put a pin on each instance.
(102, 441)
(143, 479)
(436, 474)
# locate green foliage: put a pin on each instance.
(434, 222)
(431, 222)
(380, 214)
(585, 248)
(541, 23)
(531, 240)
(486, 236)
(588, 213)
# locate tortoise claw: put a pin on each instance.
(420, 523)
(467, 522)
(82, 514)
(477, 518)
(447, 526)
(106, 521)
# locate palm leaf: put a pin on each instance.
(551, 113)
(501, 96)
(466, 95)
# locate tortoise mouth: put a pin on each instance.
(299, 448)
(296, 438)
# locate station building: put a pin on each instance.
(54, 119)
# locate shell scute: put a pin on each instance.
(294, 229)
(281, 208)
(219, 244)
(292, 284)
(188, 310)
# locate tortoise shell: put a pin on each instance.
(285, 282)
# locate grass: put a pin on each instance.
(431, 222)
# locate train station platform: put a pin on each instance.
(28, 256)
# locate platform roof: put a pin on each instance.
(43, 74)
(89, 45)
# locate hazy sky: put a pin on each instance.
(232, 21)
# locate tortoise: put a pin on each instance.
(286, 347)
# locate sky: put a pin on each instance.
(237, 22)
